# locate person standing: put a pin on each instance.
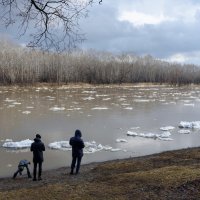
(77, 151)
(37, 147)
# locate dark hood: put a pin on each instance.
(78, 133)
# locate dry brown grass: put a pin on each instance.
(169, 175)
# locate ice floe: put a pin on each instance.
(184, 131)
(106, 99)
(194, 124)
(9, 100)
(88, 98)
(89, 92)
(7, 140)
(167, 128)
(121, 140)
(128, 108)
(57, 108)
(99, 108)
(26, 112)
(20, 144)
(90, 147)
(162, 136)
(130, 133)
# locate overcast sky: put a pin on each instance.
(165, 29)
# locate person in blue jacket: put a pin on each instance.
(37, 147)
(77, 151)
(21, 165)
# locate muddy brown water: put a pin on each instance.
(103, 114)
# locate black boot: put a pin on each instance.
(72, 171)
(14, 175)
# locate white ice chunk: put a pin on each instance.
(121, 140)
(16, 103)
(165, 134)
(194, 124)
(106, 99)
(90, 147)
(167, 128)
(92, 92)
(128, 108)
(99, 108)
(142, 100)
(64, 145)
(9, 100)
(21, 144)
(7, 140)
(114, 150)
(26, 112)
(130, 133)
(57, 108)
(88, 98)
(133, 128)
(165, 139)
(148, 135)
(184, 131)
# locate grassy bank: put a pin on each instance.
(168, 175)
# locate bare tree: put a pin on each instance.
(55, 23)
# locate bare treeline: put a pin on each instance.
(20, 65)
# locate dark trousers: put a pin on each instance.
(20, 171)
(35, 169)
(76, 161)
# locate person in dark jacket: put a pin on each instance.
(37, 147)
(21, 165)
(77, 151)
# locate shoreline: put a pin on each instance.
(64, 170)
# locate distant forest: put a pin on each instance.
(19, 65)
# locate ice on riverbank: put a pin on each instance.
(90, 147)
(194, 124)
(18, 145)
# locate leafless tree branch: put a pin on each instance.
(55, 23)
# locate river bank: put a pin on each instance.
(168, 175)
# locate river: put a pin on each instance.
(104, 114)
